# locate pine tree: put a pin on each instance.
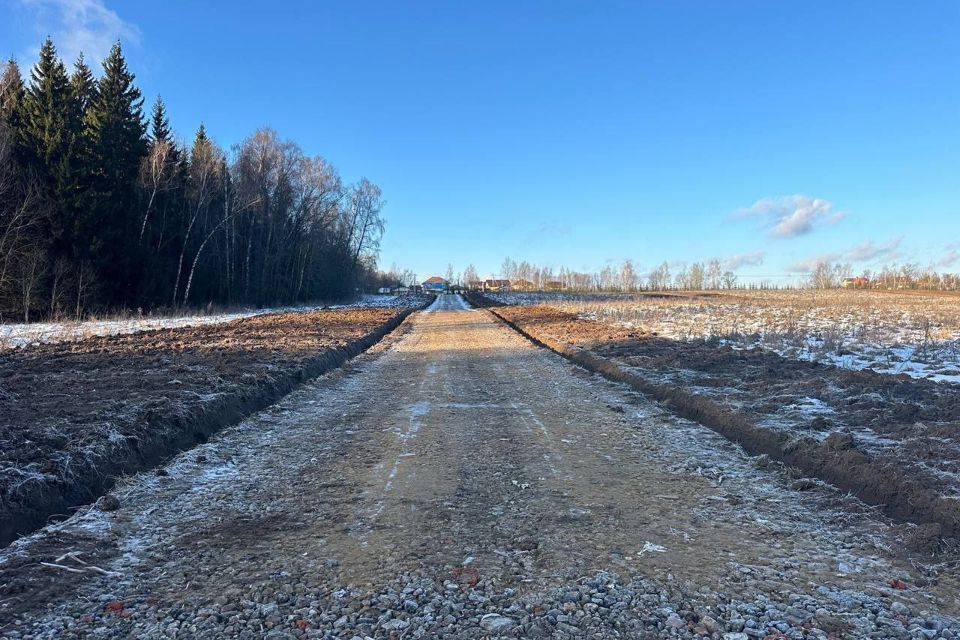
(51, 130)
(117, 137)
(200, 141)
(83, 87)
(50, 115)
(83, 84)
(11, 95)
(159, 123)
(160, 131)
(116, 122)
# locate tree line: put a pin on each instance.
(622, 277)
(705, 275)
(102, 208)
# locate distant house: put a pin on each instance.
(554, 285)
(475, 285)
(855, 283)
(522, 285)
(435, 284)
(494, 284)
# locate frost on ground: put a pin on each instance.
(900, 431)
(911, 333)
(73, 416)
(35, 333)
(461, 483)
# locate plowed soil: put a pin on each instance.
(899, 437)
(74, 416)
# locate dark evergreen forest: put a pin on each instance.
(103, 209)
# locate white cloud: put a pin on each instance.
(76, 26)
(868, 251)
(949, 259)
(790, 216)
(752, 259)
(807, 265)
(864, 252)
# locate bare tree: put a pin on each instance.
(628, 276)
(660, 277)
(697, 276)
(22, 212)
(714, 275)
(508, 269)
(206, 171)
(729, 279)
(59, 279)
(366, 223)
(156, 173)
(470, 275)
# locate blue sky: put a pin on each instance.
(768, 134)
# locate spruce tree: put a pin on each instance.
(159, 123)
(50, 115)
(160, 130)
(51, 130)
(11, 95)
(115, 119)
(83, 84)
(117, 136)
(83, 87)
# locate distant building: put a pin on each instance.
(554, 285)
(435, 284)
(855, 283)
(494, 284)
(522, 285)
(475, 285)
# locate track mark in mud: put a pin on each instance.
(417, 412)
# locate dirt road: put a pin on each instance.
(457, 481)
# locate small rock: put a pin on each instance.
(395, 625)
(496, 623)
(675, 621)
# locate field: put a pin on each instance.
(912, 333)
(15, 335)
(457, 480)
(796, 373)
(76, 415)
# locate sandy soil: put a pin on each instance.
(458, 455)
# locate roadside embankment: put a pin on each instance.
(75, 416)
(900, 483)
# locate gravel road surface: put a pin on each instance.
(457, 481)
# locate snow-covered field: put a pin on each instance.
(912, 333)
(22, 335)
